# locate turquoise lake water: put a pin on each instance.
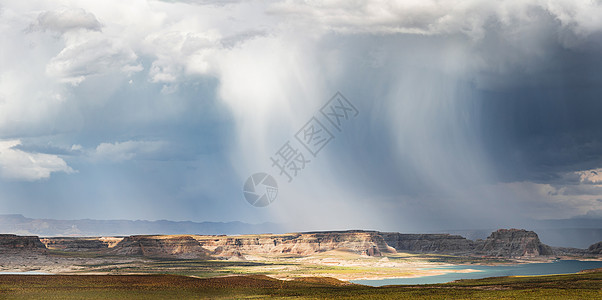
(557, 267)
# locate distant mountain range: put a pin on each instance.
(18, 224)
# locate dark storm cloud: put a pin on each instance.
(540, 133)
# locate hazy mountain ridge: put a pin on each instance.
(18, 224)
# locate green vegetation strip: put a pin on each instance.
(572, 286)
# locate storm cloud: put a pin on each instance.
(471, 113)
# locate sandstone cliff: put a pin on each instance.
(512, 243)
(595, 248)
(80, 243)
(361, 242)
(428, 243)
(509, 243)
(11, 242)
(160, 246)
(502, 243)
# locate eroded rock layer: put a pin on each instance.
(509, 243)
(80, 243)
(11, 242)
(428, 243)
(513, 243)
(177, 246)
(360, 242)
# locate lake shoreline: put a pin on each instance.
(488, 271)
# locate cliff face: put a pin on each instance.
(595, 248)
(361, 242)
(11, 242)
(160, 246)
(513, 243)
(428, 243)
(189, 246)
(501, 243)
(80, 244)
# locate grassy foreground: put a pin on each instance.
(587, 285)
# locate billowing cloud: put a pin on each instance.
(590, 176)
(66, 19)
(433, 17)
(181, 53)
(94, 55)
(507, 43)
(16, 164)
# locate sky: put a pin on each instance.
(466, 114)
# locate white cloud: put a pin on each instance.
(177, 40)
(122, 151)
(179, 53)
(590, 176)
(20, 165)
(94, 55)
(441, 17)
(66, 19)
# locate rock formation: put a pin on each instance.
(595, 248)
(11, 242)
(501, 243)
(512, 243)
(361, 242)
(428, 243)
(80, 243)
(167, 246)
(508, 243)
